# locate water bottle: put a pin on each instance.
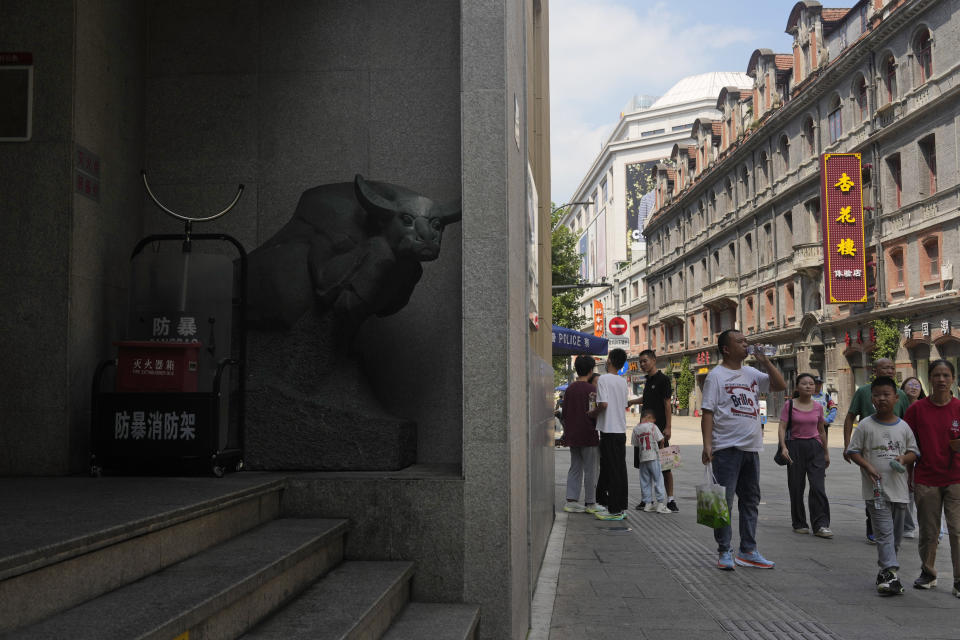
(878, 502)
(768, 350)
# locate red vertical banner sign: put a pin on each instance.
(599, 324)
(844, 248)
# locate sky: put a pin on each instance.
(603, 52)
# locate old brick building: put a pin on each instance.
(735, 237)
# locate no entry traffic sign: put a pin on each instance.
(618, 326)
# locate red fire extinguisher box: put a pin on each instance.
(157, 366)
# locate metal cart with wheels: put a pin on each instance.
(177, 402)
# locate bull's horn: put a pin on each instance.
(451, 212)
(371, 199)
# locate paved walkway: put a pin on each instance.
(654, 576)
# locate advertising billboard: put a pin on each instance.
(844, 247)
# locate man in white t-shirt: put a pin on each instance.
(611, 414)
(733, 439)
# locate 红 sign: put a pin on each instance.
(844, 248)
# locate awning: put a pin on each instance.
(567, 342)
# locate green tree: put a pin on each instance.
(565, 265)
(685, 383)
(887, 343)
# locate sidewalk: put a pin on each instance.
(654, 576)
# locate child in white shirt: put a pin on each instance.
(647, 441)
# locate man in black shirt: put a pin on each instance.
(656, 398)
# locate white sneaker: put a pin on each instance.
(651, 507)
(910, 534)
(573, 507)
(662, 508)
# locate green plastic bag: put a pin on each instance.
(712, 509)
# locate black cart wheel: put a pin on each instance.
(218, 470)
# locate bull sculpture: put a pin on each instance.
(351, 248)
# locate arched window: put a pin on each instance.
(923, 55)
(783, 147)
(896, 268)
(764, 175)
(835, 119)
(744, 183)
(810, 145)
(729, 190)
(931, 258)
(889, 71)
(860, 95)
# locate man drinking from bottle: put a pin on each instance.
(733, 438)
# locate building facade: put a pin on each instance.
(736, 241)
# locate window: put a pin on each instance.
(691, 281)
(603, 193)
(835, 119)
(923, 56)
(890, 77)
(635, 290)
(928, 166)
(896, 269)
(789, 302)
(931, 258)
(813, 211)
(744, 183)
(766, 251)
(682, 127)
(764, 163)
(784, 149)
(733, 259)
(623, 295)
(730, 202)
(810, 142)
(636, 336)
(750, 318)
(749, 242)
(770, 309)
(860, 94)
(896, 181)
(655, 132)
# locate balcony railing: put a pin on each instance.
(725, 287)
(672, 310)
(807, 256)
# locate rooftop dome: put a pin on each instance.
(702, 87)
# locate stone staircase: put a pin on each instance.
(225, 568)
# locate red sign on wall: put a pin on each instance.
(844, 249)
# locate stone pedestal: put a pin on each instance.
(310, 407)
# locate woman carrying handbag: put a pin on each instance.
(802, 436)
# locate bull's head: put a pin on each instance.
(412, 224)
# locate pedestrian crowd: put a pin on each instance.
(905, 442)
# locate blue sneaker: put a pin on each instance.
(725, 561)
(753, 559)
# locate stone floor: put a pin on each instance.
(654, 576)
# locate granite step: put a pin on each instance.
(358, 599)
(48, 576)
(220, 593)
(437, 621)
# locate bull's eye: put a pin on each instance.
(406, 219)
